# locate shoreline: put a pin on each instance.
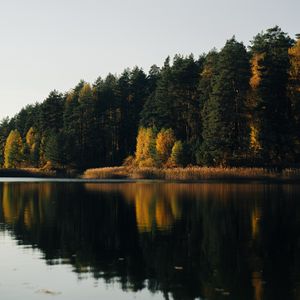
(196, 174)
(186, 175)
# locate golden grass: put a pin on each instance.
(191, 173)
(106, 173)
(170, 174)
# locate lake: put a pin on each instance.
(149, 240)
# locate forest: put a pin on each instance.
(239, 106)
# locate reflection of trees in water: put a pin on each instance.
(189, 240)
(156, 206)
(27, 203)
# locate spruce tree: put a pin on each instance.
(51, 112)
(271, 104)
(109, 119)
(87, 127)
(175, 102)
(71, 124)
(225, 131)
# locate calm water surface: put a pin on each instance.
(83, 240)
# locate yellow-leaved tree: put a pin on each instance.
(177, 155)
(42, 151)
(13, 151)
(255, 81)
(255, 70)
(294, 82)
(294, 54)
(145, 155)
(255, 145)
(164, 143)
(294, 90)
(32, 146)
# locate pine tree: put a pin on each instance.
(71, 124)
(271, 105)
(87, 127)
(55, 149)
(175, 102)
(51, 112)
(26, 118)
(132, 89)
(109, 120)
(225, 131)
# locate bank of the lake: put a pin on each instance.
(188, 174)
(194, 173)
(38, 173)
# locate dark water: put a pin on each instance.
(149, 241)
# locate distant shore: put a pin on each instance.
(188, 174)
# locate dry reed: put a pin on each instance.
(192, 173)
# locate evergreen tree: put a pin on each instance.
(204, 91)
(26, 118)
(136, 100)
(71, 125)
(51, 112)
(225, 131)
(87, 127)
(55, 151)
(175, 102)
(271, 105)
(153, 77)
(109, 118)
(132, 89)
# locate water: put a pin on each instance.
(97, 240)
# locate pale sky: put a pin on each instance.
(52, 44)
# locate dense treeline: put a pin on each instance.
(236, 106)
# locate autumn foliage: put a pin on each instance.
(158, 150)
(13, 150)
